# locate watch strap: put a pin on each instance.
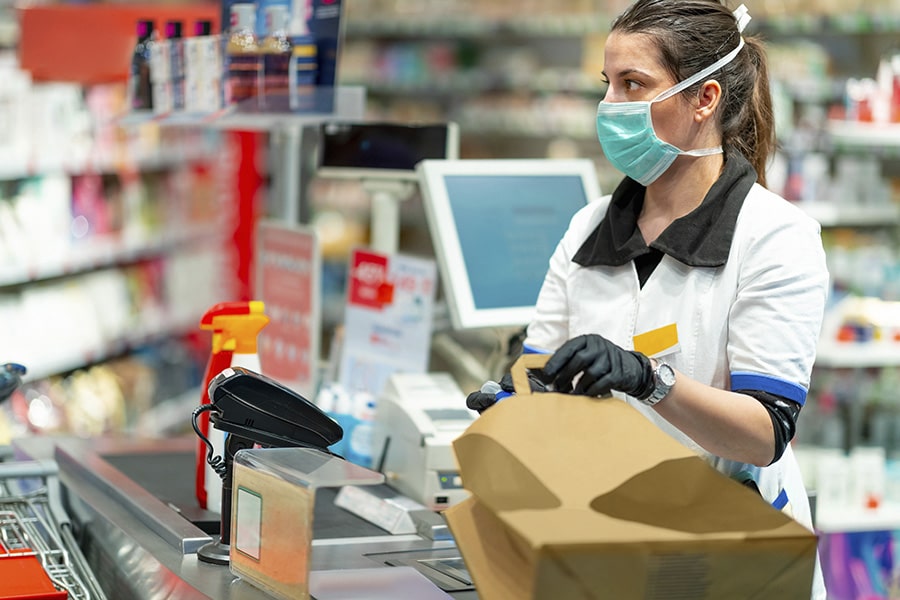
(660, 388)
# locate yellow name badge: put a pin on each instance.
(657, 342)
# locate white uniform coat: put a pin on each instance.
(751, 323)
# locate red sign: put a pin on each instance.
(369, 285)
(288, 283)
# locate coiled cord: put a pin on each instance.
(216, 462)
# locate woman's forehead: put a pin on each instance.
(632, 52)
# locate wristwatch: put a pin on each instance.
(663, 380)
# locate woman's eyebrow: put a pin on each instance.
(626, 72)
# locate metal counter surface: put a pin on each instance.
(141, 545)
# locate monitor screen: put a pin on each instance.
(494, 224)
(383, 150)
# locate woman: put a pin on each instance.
(693, 293)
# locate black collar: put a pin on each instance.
(701, 238)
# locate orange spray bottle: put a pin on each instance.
(235, 327)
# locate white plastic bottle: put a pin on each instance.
(239, 334)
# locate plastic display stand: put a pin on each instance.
(272, 516)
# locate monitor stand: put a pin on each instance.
(387, 194)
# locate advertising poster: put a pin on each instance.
(288, 270)
(388, 318)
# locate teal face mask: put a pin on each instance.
(626, 133)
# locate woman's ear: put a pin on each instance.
(707, 100)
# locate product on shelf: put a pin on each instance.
(242, 57)
(302, 73)
(202, 70)
(875, 99)
(140, 88)
(161, 76)
(176, 62)
(288, 66)
(276, 50)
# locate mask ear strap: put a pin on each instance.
(699, 75)
(742, 16)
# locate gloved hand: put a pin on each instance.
(483, 400)
(10, 379)
(604, 366)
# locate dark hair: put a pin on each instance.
(693, 34)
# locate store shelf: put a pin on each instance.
(458, 26)
(462, 26)
(813, 90)
(853, 355)
(72, 164)
(832, 215)
(101, 253)
(349, 105)
(474, 83)
(844, 23)
(853, 134)
(140, 337)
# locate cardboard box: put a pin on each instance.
(578, 497)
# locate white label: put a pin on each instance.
(248, 536)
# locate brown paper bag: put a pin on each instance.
(576, 497)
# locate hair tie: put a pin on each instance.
(742, 17)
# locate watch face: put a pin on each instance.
(666, 375)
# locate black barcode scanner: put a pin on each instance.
(254, 409)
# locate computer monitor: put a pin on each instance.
(383, 150)
(494, 224)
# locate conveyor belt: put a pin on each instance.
(170, 478)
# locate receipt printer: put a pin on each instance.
(416, 420)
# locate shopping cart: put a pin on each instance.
(34, 529)
(39, 556)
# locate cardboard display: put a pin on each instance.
(576, 497)
(92, 43)
(273, 499)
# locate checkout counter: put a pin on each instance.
(144, 536)
(132, 505)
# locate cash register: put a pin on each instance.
(417, 418)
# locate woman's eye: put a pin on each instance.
(631, 85)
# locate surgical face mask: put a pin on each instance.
(626, 133)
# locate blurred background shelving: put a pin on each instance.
(113, 242)
(522, 79)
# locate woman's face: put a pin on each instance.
(634, 72)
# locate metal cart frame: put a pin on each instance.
(33, 522)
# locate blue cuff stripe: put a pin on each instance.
(526, 349)
(741, 380)
(781, 501)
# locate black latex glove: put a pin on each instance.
(10, 379)
(604, 366)
(481, 401)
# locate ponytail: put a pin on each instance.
(748, 125)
